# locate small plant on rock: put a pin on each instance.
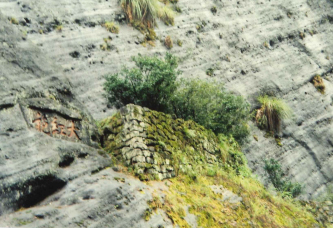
(168, 42)
(271, 113)
(111, 27)
(275, 173)
(213, 10)
(180, 43)
(318, 83)
(59, 28)
(13, 21)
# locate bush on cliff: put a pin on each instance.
(210, 105)
(152, 83)
(276, 175)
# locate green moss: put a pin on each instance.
(13, 21)
(111, 27)
(180, 43)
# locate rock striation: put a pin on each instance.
(254, 47)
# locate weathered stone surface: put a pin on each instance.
(254, 47)
(50, 167)
(98, 200)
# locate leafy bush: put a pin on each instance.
(271, 113)
(210, 105)
(151, 83)
(275, 173)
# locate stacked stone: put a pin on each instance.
(130, 139)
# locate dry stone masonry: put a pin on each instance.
(154, 143)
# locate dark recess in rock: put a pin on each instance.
(75, 54)
(66, 160)
(41, 187)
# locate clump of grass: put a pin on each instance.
(111, 27)
(266, 45)
(13, 21)
(180, 43)
(59, 28)
(178, 9)
(271, 113)
(167, 15)
(318, 83)
(210, 71)
(147, 11)
(213, 10)
(168, 42)
(302, 35)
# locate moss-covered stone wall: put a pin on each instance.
(154, 143)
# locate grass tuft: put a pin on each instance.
(168, 42)
(271, 113)
(146, 12)
(318, 83)
(111, 27)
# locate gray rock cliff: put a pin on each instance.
(254, 47)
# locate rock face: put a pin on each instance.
(154, 143)
(43, 130)
(49, 161)
(254, 47)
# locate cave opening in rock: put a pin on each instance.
(36, 190)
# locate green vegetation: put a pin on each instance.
(271, 113)
(180, 43)
(111, 27)
(210, 105)
(59, 28)
(318, 83)
(213, 10)
(275, 173)
(258, 207)
(13, 21)
(150, 84)
(210, 71)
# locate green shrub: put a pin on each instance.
(210, 105)
(275, 173)
(151, 83)
(271, 113)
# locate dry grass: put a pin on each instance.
(111, 27)
(271, 113)
(318, 83)
(147, 11)
(168, 42)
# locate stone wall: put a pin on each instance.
(155, 143)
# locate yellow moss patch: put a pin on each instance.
(318, 83)
(258, 208)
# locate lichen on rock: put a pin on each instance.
(156, 145)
